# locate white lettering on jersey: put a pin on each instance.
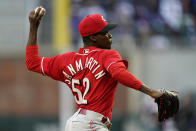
(71, 69)
(90, 64)
(100, 74)
(68, 76)
(68, 81)
(86, 63)
(94, 63)
(96, 69)
(79, 65)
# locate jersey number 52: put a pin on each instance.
(86, 84)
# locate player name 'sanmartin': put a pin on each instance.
(91, 64)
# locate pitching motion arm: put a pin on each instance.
(35, 17)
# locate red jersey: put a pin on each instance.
(86, 72)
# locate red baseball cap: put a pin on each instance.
(93, 24)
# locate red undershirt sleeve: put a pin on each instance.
(49, 66)
(117, 67)
(119, 72)
(32, 59)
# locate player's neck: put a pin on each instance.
(88, 45)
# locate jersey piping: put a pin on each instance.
(42, 67)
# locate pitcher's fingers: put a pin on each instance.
(31, 14)
(37, 10)
(41, 14)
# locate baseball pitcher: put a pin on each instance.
(92, 74)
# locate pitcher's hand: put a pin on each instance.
(35, 16)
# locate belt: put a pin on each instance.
(104, 120)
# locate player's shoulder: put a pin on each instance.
(65, 55)
(68, 54)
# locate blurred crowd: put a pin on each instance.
(185, 120)
(157, 23)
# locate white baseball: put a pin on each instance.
(36, 10)
(42, 10)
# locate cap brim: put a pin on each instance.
(108, 28)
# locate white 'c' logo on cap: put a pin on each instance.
(103, 18)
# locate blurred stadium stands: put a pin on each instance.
(158, 37)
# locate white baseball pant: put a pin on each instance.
(86, 120)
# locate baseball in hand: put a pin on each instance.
(40, 10)
(36, 9)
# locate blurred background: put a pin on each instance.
(157, 37)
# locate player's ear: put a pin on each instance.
(93, 38)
